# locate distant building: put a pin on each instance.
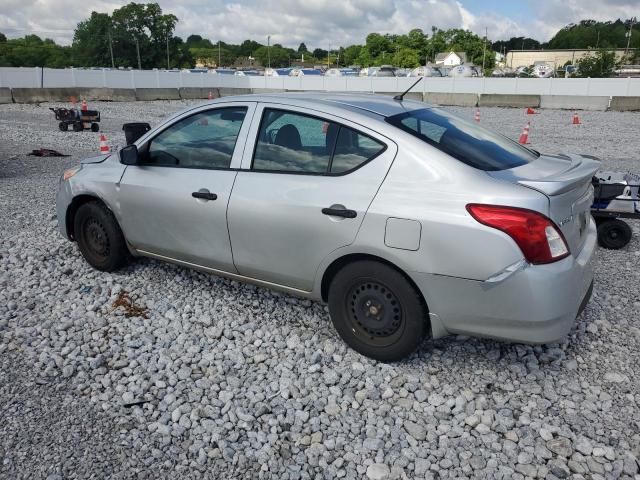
(525, 58)
(451, 59)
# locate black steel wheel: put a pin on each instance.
(99, 237)
(614, 234)
(95, 127)
(78, 127)
(63, 126)
(377, 311)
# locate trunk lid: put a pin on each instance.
(566, 181)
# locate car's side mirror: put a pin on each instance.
(129, 155)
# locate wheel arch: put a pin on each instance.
(73, 207)
(335, 266)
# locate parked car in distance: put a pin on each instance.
(407, 220)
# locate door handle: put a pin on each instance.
(340, 212)
(204, 195)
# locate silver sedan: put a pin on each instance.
(408, 221)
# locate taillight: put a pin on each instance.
(536, 235)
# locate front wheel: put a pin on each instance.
(377, 311)
(614, 234)
(99, 237)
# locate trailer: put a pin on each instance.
(616, 196)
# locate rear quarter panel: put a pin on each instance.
(432, 188)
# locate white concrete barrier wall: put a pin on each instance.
(70, 77)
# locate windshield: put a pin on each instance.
(463, 140)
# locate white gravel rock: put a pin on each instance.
(249, 383)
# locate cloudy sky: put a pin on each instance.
(323, 23)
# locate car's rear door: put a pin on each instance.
(306, 182)
(174, 204)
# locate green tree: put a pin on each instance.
(248, 47)
(279, 57)
(350, 54)
(3, 38)
(91, 41)
(593, 34)
(319, 54)
(516, 43)
(601, 64)
(130, 27)
(302, 48)
(377, 44)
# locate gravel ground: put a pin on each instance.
(224, 379)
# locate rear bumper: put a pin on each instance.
(538, 304)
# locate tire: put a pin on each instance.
(99, 237)
(377, 311)
(95, 127)
(614, 234)
(78, 127)
(63, 126)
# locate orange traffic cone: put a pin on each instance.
(576, 119)
(84, 107)
(210, 95)
(104, 148)
(477, 116)
(524, 136)
(531, 111)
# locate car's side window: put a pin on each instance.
(205, 140)
(295, 142)
(353, 149)
(292, 142)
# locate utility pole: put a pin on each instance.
(484, 52)
(629, 33)
(396, 61)
(328, 56)
(269, 51)
(168, 67)
(219, 57)
(138, 51)
(113, 64)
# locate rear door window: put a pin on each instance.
(298, 143)
(463, 140)
(353, 149)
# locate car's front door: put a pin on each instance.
(303, 191)
(174, 204)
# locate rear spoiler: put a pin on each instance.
(580, 171)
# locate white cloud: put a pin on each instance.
(318, 23)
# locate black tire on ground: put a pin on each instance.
(95, 127)
(99, 237)
(614, 234)
(63, 126)
(377, 311)
(78, 127)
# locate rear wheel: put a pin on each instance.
(99, 237)
(377, 311)
(95, 127)
(614, 234)
(63, 126)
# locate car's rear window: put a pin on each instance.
(463, 140)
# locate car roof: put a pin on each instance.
(381, 105)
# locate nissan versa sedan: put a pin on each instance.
(407, 220)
